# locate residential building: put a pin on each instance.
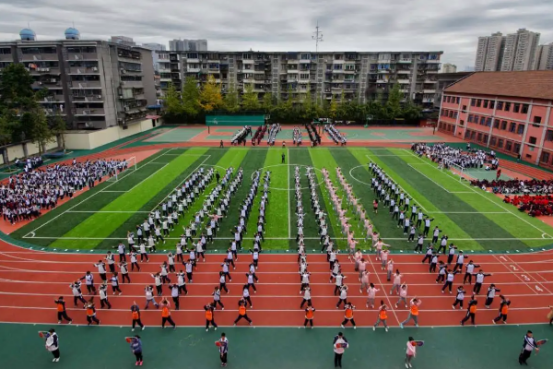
(520, 50)
(449, 68)
(490, 50)
(359, 75)
(509, 112)
(93, 84)
(443, 81)
(155, 47)
(123, 40)
(188, 45)
(543, 57)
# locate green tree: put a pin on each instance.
(172, 101)
(267, 103)
(250, 100)
(332, 108)
(231, 100)
(5, 130)
(308, 107)
(210, 97)
(40, 132)
(411, 111)
(393, 109)
(15, 89)
(58, 128)
(191, 97)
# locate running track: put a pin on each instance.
(31, 280)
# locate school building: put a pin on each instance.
(509, 112)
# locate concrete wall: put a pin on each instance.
(17, 151)
(88, 140)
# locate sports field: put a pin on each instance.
(473, 219)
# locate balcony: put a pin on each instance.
(428, 100)
(83, 70)
(38, 57)
(52, 99)
(404, 61)
(427, 91)
(383, 71)
(193, 70)
(89, 111)
(247, 61)
(6, 57)
(85, 84)
(304, 61)
(433, 61)
(193, 60)
(431, 71)
(133, 84)
(82, 56)
(404, 81)
(87, 98)
(384, 61)
(403, 71)
(38, 71)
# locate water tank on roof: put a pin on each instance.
(27, 34)
(72, 34)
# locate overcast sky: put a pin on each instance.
(279, 25)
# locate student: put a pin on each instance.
(449, 280)
(89, 282)
(503, 310)
(143, 254)
(460, 294)
(115, 284)
(175, 295)
(414, 312)
(136, 348)
(307, 296)
(382, 317)
(339, 351)
(250, 281)
(479, 280)
(217, 298)
(77, 294)
(91, 312)
(223, 282)
(397, 277)
(134, 261)
(62, 313)
(111, 262)
(53, 345)
(471, 310)
(528, 346)
(181, 283)
(104, 296)
(349, 315)
(403, 293)
(343, 296)
(209, 309)
(166, 314)
(149, 291)
(135, 315)
(101, 269)
(309, 316)
(124, 270)
(242, 313)
(223, 349)
(460, 261)
(246, 295)
(410, 352)
(491, 293)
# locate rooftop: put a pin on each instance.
(527, 84)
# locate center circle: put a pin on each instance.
(356, 179)
(288, 165)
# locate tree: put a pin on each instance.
(332, 108)
(392, 107)
(172, 101)
(309, 110)
(5, 130)
(15, 89)
(210, 96)
(40, 132)
(250, 100)
(191, 97)
(231, 100)
(58, 128)
(267, 103)
(411, 111)
(342, 107)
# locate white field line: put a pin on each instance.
(88, 198)
(147, 178)
(117, 191)
(106, 211)
(513, 271)
(498, 205)
(290, 238)
(406, 192)
(530, 274)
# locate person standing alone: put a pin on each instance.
(342, 342)
(528, 346)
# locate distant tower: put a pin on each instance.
(72, 34)
(28, 34)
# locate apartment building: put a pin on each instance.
(188, 45)
(449, 68)
(155, 47)
(360, 75)
(509, 112)
(490, 50)
(543, 57)
(93, 84)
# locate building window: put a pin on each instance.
(512, 127)
(479, 136)
(455, 115)
(499, 105)
(479, 103)
(467, 134)
(517, 108)
(462, 123)
(482, 122)
(486, 104)
(520, 129)
(500, 143)
(524, 108)
(444, 98)
(496, 123)
(485, 138)
(489, 121)
(509, 145)
(464, 108)
(493, 141)
(536, 121)
(507, 106)
(549, 135)
(504, 125)
(545, 157)
(472, 102)
(472, 135)
(533, 140)
(517, 147)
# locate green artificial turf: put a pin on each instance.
(473, 219)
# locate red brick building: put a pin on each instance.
(509, 112)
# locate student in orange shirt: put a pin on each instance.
(242, 312)
(503, 311)
(166, 314)
(414, 312)
(91, 312)
(382, 317)
(62, 313)
(348, 315)
(471, 310)
(210, 317)
(309, 317)
(135, 315)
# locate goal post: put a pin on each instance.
(457, 170)
(128, 164)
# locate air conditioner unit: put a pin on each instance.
(123, 71)
(46, 69)
(94, 69)
(53, 80)
(126, 108)
(99, 96)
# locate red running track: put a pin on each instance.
(31, 280)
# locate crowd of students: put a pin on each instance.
(259, 135)
(335, 135)
(516, 186)
(296, 137)
(538, 205)
(273, 131)
(30, 192)
(240, 136)
(315, 138)
(446, 155)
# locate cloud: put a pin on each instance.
(281, 25)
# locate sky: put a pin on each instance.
(287, 25)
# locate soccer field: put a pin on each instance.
(473, 219)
